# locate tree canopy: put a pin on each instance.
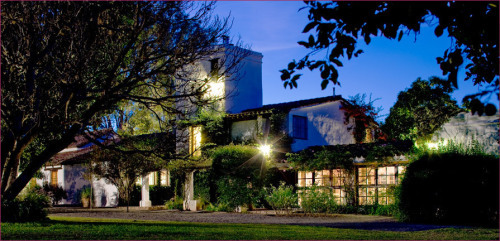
(65, 65)
(473, 27)
(420, 110)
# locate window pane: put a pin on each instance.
(391, 170)
(309, 175)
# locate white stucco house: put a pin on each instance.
(311, 122)
(67, 169)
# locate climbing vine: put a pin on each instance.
(342, 156)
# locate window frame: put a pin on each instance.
(295, 128)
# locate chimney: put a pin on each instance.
(225, 39)
(333, 91)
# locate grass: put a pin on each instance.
(106, 229)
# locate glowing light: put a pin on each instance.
(432, 145)
(215, 89)
(265, 150)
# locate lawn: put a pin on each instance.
(106, 229)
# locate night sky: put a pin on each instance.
(384, 69)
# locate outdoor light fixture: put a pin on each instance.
(265, 150)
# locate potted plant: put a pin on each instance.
(86, 196)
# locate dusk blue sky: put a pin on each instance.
(384, 69)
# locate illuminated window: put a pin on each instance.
(195, 140)
(384, 197)
(53, 177)
(305, 179)
(323, 178)
(299, 124)
(366, 176)
(152, 178)
(164, 178)
(340, 195)
(367, 195)
(338, 177)
(387, 175)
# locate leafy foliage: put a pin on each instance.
(342, 156)
(339, 26)
(317, 200)
(55, 193)
(174, 203)
(364, 115)
(123, 170)
(29, 207)
(237, 177)
(282, 198)
(420, 110)
(451, 188)
(65, 65)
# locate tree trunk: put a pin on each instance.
(37, 162)
(128, 199)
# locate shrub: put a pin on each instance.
(317, 200)
(28, 207)
(283, 198)
(174, 203)
(160, 194)
(234, 192)
(451, 188)
(55, 193)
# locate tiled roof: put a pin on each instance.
(295, 104)
(79, 150)
(286, 106)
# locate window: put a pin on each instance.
(366, 176)
(153, 178)
(164, 178)
(386, 175)
(299, 124)
(195, 140)
(53, 177)
(367, 189)
(322, 178)
(214, 67)
(305, 179)
(367, 195)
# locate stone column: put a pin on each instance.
(145, 202)
(189, 202)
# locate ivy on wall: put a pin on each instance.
(342, 156)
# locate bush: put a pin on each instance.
(451, 188)
(317, 200)
(234, 192)
(26, 208)
(55, 193)
(160, 194)
(174, 203)
(283, 198)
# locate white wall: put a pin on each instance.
(325, 126)
(73, 183)
(70, 178)
(244, 89)
(465, 127)
(105, 193)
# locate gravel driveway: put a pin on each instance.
(366, 222)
